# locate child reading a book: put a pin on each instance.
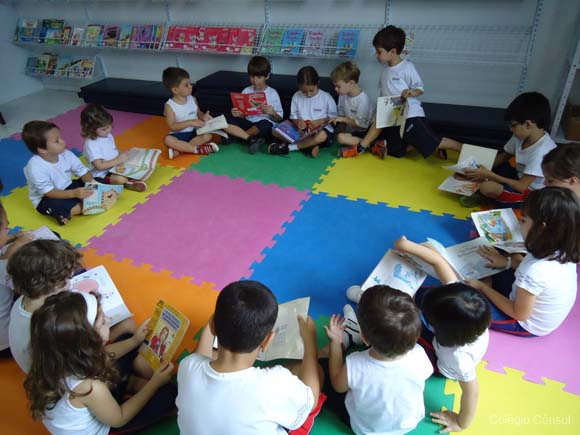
(399, 77)
(528, 116)
(259, 125)
(536, 298)
(183, 116)
(71, 373)
(561, 167)
(100, 149)
(384, 384)
(310, 109)
(228, 395)
(355, 109)
(48, 173)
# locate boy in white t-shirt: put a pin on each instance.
(260, 125)
(384, 385)
(48, 173)
(228, 394)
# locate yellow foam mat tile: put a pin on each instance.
(511, 405)
(81, 228)
(374, 180)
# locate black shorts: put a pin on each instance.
(263, 125)
(184, 136)
(418, 133)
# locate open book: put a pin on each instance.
(501, 229)
(391, 111)
(471, 157)
(98, 280)
(140, 165)
(103, 198)
(249, 104)
(213, 125)
(43, 233)
(168, 326)
(292, 134)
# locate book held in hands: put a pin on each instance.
(249, 104)
(471, 157)
(104, 197)
(140, 164)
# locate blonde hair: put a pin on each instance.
(345, 71)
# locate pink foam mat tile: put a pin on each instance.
(208, 227)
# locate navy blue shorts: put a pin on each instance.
(418, 133)
(184, 136)
(60, 207)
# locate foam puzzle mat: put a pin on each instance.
(304, 227)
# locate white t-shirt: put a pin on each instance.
(386, 397)
(19, 335)
(184, 112)
(272, 98)
(100, 148)
(66, 419)
(459, 362)
(319, 106)
(529, 160)
(253, 401)
(358, 108)
(554, 285)
(6, 301)
(395, 79)
(43, 176)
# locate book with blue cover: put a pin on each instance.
(27, 30)
(347, 43)
(292, 41)
(125, 36)
(292, 134)
(51, 31)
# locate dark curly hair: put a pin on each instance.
(92, 117)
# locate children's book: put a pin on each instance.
(51, 31)
(347, 42)
(314, 42)
(292, 41)
(94, 35)
(31, 63)
(287, 343)
(470, 157)
(144, 36)
(103, 198)
(66, 33)
(272, 42)
(140, 165)
(212, 38)
(27, 30)
(157, 36)
(501, 229)
(459, 184)
(241, 40)
(81, 68)
(217, 123)
(181, 37)
(125, 36)
(292, 134)
(42, 62)
(77, 36)
(390, 111)
(168, 326)
(111, 36)
(249, 104)
(98, 280)
(43, 233)
(62, 66)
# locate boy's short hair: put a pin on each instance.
(390, 37)
(259, 66)
(307, 75)
(458, 313)
(94, 116)
(245, 313)
(346, 71)
(389, 320)
(173, 76)
(42, 266)
(563, 162)
(34, 134)
(531, 106)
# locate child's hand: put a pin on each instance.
(141, 333)
(402, 244)
(479, 174)
(448, 419)
(162, 375)
(237, 112)
(476, 284)
(207, 116)
(301, 124)
(268, 110)
(307, 328)
(337, 119)
(82, 192)
(22, 239)
(197, 123)
(493, 257)
(122, 158)
(335, 329)
(407, 93)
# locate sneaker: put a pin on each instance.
(136, 186)
(171, 153)
(471, 200)
(380, 149)
(278, 148)
(349, 151)
(354, 293)
(254, 144)
(351, 335)
(207, 148)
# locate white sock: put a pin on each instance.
(293, 147)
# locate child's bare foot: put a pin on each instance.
(136, 186)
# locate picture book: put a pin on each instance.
(181, 37)
(168, 326)
(140, 165)
(470, 157)
(66, 33)
(292, 134)
(31, 63)
(157, 36)
(43, 233)
(77, 36)
(97, 280)
(103, 198)
(459, 184)
(249, 104)
(212, 39)
(51, 31)
(94, 35)
(111, 36)
(272, 41)
(62, 66)
(287, 343)
(125, 36)
(390, 111)
(241, 40)
(347, 42)
(135, 35)
(292, 41)
(46, 63)
(217, 123)
(81, 68)
(27, 30)
(501, 229)
(314, 42)
(144, 36)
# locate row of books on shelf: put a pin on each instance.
(309, 42)
(51, 64)
(202, 38)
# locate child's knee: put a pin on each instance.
(206, 137)
(491, 189)
(168, 140)
(341, 138)
(321, 137)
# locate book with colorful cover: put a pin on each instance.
(145, 36)
(314, 42)
(181, 37)
(97, 280)
(125, 36)
(212, 39)
(135, 34)
(51, 31)
(94, 35)
(82, 68)
(168, 326)
(501, 229)
(104, 197)
(111, 36)
(390, 111)
(31, 64)
(471, 157)
(140, 164)
(62, 66)
(157, 36)
(42, 61)
(27, 30)
(347, 42)
(292, 134)
(292, 42)
(77, 36)
(243, 40)
(66, 33)
(272, 42)
(249, 104)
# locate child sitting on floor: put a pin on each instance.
(228, 395)
(48, 173)
(311, 108)
(100, 149)
(561, 167)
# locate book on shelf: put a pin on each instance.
(111, 36)
(31, 63)
(314, 42)
(241, 40)
(347, 42)
(501, 229)
(181, 37)
(168, 326)
(140, 164)
(27, 30)
(82, 68)
(144, 36)
(292, 134)
(212, 39)
(46, 63)
(292, 41)
(97, 280)
(471, 157)
(214, 124)
(51, 31)
(66, 34)
(125, 32)
(77, 36)
(104, 197)
(94, 35)
(272, 42)
(62, 66)
(249, 104)
(390, 111)
(157, 36)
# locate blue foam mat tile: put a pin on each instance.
(13, 157)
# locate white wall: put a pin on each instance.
(480, 84)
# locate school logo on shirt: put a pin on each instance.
(317, 110)
(192, 113)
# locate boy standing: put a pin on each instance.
(48, 173)
(399, 77)
(228, 395)
(259, 125)
(384, 384)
